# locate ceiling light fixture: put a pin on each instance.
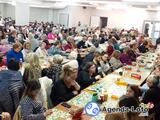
(145, 1)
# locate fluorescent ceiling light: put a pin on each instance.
(114, 7)
(84, 1)
(145, 1)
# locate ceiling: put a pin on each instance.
(99, 4)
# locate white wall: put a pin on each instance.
(19, 11)
(76, 14)
(1, 9)
(122, 18)
(79, 14)
(39, 14)
(57, 12)
(9, 11)
(116, 18)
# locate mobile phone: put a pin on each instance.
(66, 105)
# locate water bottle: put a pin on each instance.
(21, 61)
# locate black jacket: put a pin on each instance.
(143, 49)
(61, 93)
(84, 79)
(152, 95)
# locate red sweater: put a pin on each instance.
(110, 50)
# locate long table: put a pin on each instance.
(108, 84)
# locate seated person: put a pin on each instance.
(110, 48)
(104, 39)
(115, 61)
(89, 57)
(126, 102)
(12, 36)
(105, 64)
(89, 43)
(33, 70)
(133, 91)
(115, 44)
(96, 61)
(157, 42)
(124, 57)
(15, 53)
(95, 41)
(51, 35)
(4, 48)
(70, 44)
(56, 49)
(5, 116)
(11, 87)
(82, 43)
(150, 44)
(31, 109)
(41, 51)
(143, 48)
(87, 76)
(152, 95)
(26, 49)
(2, 62)
(81, 57)
(156, 72)
(53, 72)
(132, 52)
(66, 87)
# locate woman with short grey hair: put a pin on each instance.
(55, 69)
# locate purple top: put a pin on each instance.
(4, 49)
(124, 58)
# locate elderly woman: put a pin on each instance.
(15, 53)
(57, 49)
(34, 42)
(67, 87)
(152, 95)
(70, 44)
(33, 72)
(54, 70)
(41, 51)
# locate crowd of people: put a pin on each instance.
(31, 90)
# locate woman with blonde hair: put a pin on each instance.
(26, 49)
(67, 87)
(33, 70)
(41, 51)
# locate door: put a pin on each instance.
(103, 22)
